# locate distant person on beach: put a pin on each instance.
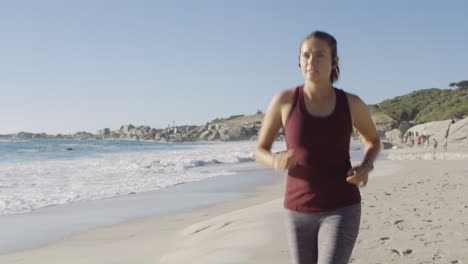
(435, 143)
(322, 198)
(447, 134)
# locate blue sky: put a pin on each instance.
(68, 66)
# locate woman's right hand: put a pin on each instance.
(284, 160)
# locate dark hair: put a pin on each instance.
(331, 41)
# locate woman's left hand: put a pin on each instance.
(358, 175)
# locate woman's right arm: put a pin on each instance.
(271, 124)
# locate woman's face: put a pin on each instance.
(315, 60)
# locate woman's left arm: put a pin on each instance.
(362, 121)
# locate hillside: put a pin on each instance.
(426, 105)
(418, 107)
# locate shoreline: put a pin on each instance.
(88, 215)
(69, 248)
(413, 212)
(157, 230)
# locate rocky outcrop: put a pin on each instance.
(79, 136)
(404, 126)
(84, 135)
(393, 136)
(230, 129)
(103, 133)
(247, 128)
(458, 131)
(384, 123)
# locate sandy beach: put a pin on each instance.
(414, 211)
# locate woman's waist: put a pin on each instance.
(322, 162)
(321, 172)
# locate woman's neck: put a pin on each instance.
(318, 90)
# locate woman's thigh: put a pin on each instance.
(302, 229)
(337, 234)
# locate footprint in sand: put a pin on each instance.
(401, 252)
(200, 229)
(384, 240)
(436, 227)
(438, 255)
(224, 225)
(400, 224)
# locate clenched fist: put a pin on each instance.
(284, 160)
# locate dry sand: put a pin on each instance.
(414, 211)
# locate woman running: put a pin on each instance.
(322, 200)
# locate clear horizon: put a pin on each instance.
(70, 67)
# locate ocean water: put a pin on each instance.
(38, 173)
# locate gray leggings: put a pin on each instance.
(323, 237)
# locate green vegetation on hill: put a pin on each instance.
(427, 105)
(418, 107)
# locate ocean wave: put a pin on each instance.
(28, 150)
(26, 186)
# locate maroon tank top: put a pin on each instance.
(321, 149)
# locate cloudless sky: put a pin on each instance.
(69, 66)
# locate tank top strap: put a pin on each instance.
(296, 97)
(339, 100)
(342, 102)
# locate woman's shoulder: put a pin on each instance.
(285, 96)
(357, 106)
(353, 99)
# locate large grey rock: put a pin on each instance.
(82, 135)
(214, 136)
(145, 129)
(103, 133)
(204, 135)
(234, 132)
(136, 133)
(458, 131)
(404, 126)
(24, 135)
(41, 136)
(384, 122)
(114, 134)
(393, 136)
(125, 129)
